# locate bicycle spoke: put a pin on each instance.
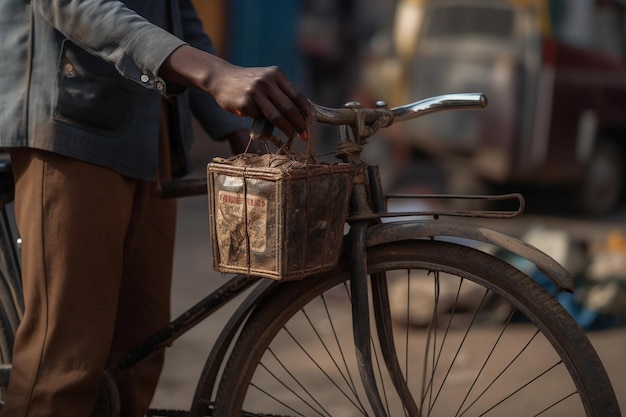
(468, 351)
(433, 326)
(432, 333)
(349, 380)
(511, 362)
(482, 368)
(407, 377)
(462, 343)
(288, 387)
(324, 372)
(521, 388)
(275, 399)
(555, 404)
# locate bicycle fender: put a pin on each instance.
(406, 230)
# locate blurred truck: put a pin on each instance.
(555, 75)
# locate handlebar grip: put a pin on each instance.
(466, 101)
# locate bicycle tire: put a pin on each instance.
(452, 381)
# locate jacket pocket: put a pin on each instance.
(92, 95)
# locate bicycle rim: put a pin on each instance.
(473, 336)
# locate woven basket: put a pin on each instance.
(277, 216)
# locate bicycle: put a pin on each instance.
(361, 356)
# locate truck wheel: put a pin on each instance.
(601, 188)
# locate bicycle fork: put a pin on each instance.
(382, 314)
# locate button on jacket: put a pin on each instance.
(79, 78)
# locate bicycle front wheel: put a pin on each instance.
(472, 336)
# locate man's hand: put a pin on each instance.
(251, 92)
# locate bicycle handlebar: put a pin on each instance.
(381, 116)
(348, 115)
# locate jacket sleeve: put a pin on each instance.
(109, 29)
(216, 121)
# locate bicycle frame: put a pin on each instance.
(367, 209)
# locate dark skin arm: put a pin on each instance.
(251, 92)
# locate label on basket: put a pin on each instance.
(230, 212)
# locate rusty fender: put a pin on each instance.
(406, 230)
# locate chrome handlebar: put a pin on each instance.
(353, 112)
(369, 120)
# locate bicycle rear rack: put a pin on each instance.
(497, 214)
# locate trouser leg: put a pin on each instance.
(144, 302)
(75, 220)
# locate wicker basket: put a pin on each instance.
(276, 216)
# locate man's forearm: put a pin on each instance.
(251, 92)
(190, 67)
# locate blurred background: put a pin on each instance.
(554, 72)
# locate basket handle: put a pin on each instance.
(263, 130)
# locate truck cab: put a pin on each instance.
(555, 76)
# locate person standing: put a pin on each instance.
(96, 98)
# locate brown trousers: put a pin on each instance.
(97, 259)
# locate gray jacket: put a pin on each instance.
(79, 78)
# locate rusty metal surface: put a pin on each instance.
(492, 214)
(396, 231)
